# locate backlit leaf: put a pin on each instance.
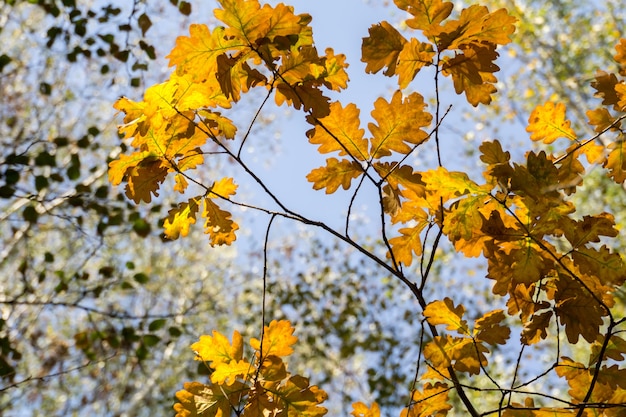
(340, 132)
(218, 224)
(382, 48)
(181, 218)
(431, 401)
(616, 161)
(228, 372)
(217, 349)
(398, 124)
(414, 56)
(425, 12)
(444, 312)
(489, 328)
(408, 243)
(547, 123)
(336, 173)
(359, 409)
(277, 339)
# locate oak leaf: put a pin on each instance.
(604, 85)
(547, 123)
(408, 243)
(179, 219)
(414, 56)
(227, 373)
(431, 401)
(223, 188)
(359, 409)
(277, 339)
(601, 119)
(382, 48)
(535, 330)
(472, 72)
(489, 328)
(217, 349)
(197, 399)
(297, 398)
(616, 161)
(425, 12)
(218, 224)
(620, 56)
(398, 124)
(340, 132)
(444, 312)
(336, 173)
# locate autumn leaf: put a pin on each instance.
(382, 48)
(217, 349)
(601, 119)
(620, 56)
(297, 398)
(425, 12)
(223, 188)
(462, 353)
(577, 310)
(616, 161)
(535, 330)
(228, 372)
(604, 85)
(472, 72)
(414, 56)
(475, 26)
(336, 173)
(336, 77)
(179, 219)
(144, 180)
(431, 401)
(408, 243)
(340, 132)
(444, 312)
(218, 224)
(399, 122)
(197, 399)
(277, 339)
(359, 409)
(489, 328)
(547, 123)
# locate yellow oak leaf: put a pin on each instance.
(425, 12)
(444, 312)
(359, 409)
(277, 339)
(399, 122)
(336, 173)
(414, 56)
(447, 185)
(475, 26)
(336, 77)
(218, 125)
(340, 132)
(472, 72)
(489, 328)
(223, 188)
(306, 95)
(382, 48)
(218, 224)
(616, 161)
(296, 398)
(408, 243)
(462, 353)
(578, 311)
(547, 123)
(601, 119)
(217, 349)
(197, 399)
(228, 372)
(273, 369)
(431, 401)
(180, 218)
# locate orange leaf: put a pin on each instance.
(409, 243)
(382, 48)
(472, 72)
(548, 123)
(425, 12)
(144, 179)
(620, 57)
(399, 123)
(223, 188)
(340, 132)
(218, 224)
(444, 312)
(277, 339)
(535, 330)
(359, 409)
(604, 85)
(432, 401)
(616, 161)
(413, 57)
(336, 173)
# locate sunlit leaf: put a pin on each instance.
(382, 48)
(336, 173)
(277, 339)
(547, 123)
